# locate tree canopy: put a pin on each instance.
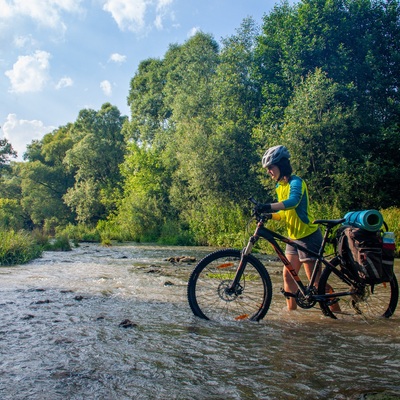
(319, 76)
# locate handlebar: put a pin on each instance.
(259, 215)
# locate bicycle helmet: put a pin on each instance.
(274, 154)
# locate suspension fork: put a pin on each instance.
(243, 262)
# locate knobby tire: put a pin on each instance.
(209, 282)
(369, 302)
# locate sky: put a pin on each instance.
(58, 57)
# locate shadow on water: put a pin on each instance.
(113, 323)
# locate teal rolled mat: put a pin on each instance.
(370, 220)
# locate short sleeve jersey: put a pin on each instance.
(294, 195)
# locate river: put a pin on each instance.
(114, 323)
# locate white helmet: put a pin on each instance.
(274, 154)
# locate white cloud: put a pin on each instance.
(158, 22)
(23, 41)
(131, 14)
(20, 132)
(64, 82)
(128, 14)
(193, 31)
(45, 12)
(117, 58)
(162, 11)
(29, 73)
(106, 87)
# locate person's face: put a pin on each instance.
(274, 172)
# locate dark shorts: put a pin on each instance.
(311, 242)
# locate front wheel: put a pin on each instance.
(367, 301)
(211, 296)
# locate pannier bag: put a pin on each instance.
(363, 255)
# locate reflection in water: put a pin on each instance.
(61, 337)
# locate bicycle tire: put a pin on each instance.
(371, 302)
(214, 273)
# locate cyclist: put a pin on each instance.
(293, 209)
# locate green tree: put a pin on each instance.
(97, 151)
(319, 131)
(6, 152)
(44, 179)
(356, 43)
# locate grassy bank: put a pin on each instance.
(22, 246)
(18, 247)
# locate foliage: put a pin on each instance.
(318, 76)
(59, 243)
(11, 214)
(80, 233)
(44, 179)
(6, 152)
(17, 247)
(98, 149)
(216, 222)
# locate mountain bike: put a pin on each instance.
(235, 285)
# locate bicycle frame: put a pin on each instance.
(273, 238)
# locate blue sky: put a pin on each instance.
(58, 57)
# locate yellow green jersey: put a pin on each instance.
(294, 196)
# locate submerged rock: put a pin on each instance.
(127, 323)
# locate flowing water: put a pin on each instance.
(114, 323)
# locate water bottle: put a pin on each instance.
(388, 241)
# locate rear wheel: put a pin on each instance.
(209, 285)
(368, 301)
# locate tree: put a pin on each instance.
(6, 152)
(318, 131)
(356, 44)
(44, 179)
(97, 151)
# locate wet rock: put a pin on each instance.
(127, 323)
(28, 317)
(380, 396)
(47, 301)
(181, 259)
(78, 298)
(154, 269)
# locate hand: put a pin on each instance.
(263, 208)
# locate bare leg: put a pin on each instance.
(288, 283)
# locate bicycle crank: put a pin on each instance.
(305, 301)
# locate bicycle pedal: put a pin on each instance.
(288, 295)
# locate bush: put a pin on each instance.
(18, 247)
(80, 233)
(176, 234)
(60, 243)
(11, 215)
(217, 223)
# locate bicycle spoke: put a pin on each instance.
(210, 291)
(367, 302)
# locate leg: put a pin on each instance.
(288, 283)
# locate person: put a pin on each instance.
(292, 208)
